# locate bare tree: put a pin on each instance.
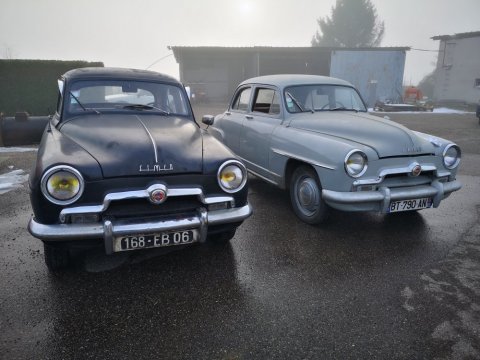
(353, 23)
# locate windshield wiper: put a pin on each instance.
(342, 108)
(81, 105)
(145, 107)
(296, 102)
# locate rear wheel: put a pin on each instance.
(56, 257)
(306, 196)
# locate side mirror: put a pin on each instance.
(208, 119)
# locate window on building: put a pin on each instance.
(477, 83)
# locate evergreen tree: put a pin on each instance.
(353, 23)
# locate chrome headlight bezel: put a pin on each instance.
(243, 171)
(458, 156)
(348, 169)
(57, 169)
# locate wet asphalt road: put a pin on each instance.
(365, 286)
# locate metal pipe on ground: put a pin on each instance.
(22, 129)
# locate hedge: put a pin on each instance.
(31, 85)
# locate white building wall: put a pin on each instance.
(458, 70)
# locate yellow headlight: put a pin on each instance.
(62, 185)
(232, 176)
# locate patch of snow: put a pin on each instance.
(16, 149)
(12, 180)
(444, 110)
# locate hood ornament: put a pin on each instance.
(157, 196)
(157, 193)
(416, 169)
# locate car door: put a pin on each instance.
(258, 125)
(232, 120)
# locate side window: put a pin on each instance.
(266, 101)
(242, 99)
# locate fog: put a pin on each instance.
(137, 34)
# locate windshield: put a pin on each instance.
(312, 98)
(101, 96)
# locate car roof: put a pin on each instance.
(117, 73)
(284, 80)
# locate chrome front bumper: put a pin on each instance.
(380, 199)
(108, 230)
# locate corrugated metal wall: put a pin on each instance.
(458, 71)
(378, 75)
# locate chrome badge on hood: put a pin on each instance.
(155, 168)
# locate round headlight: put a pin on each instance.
(232, 176)
(356, 163)
(451, 156)
(62, 185)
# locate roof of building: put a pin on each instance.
(177, 50)
(465, 35)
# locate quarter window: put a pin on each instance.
(241, 101)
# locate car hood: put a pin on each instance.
(126, 145)
(386, 137)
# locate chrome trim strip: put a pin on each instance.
(261, 167)
(155, 150)
(394, 171)
(309, 161)
(262, 177)
(108, 230)
(144, 194)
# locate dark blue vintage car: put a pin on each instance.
(123, 164)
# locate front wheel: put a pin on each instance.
(56, 257)
(306, 196)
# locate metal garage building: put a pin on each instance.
(457, 75)
(214, 72)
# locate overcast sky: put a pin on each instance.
(136, 34)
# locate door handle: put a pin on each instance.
(249, 117)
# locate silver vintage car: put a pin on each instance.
(312, 135)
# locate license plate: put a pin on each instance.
(412, 204)
(144, 241)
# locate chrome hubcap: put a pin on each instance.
(308, 195)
